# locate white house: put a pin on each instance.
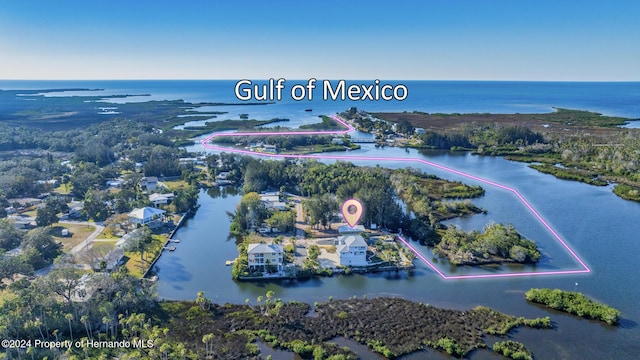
(337, 141)
(223, 175)
(419, 131)
(161, 199)
(352, 250)
(117, 183)
(149, 182)
(272, 201)
(261, 255)
(145, 215)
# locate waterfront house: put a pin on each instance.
(161, 199)
(149, 183)
(272, 201)
(146, 216)
(262, 255)
(337, 141)
(352, 250)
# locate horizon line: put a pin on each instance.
(336, 79)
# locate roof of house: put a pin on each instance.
(145, 213)
(348, 241)
(264, 248)
(346, 229)
(149, 179)
(270, 198)
(156, 196)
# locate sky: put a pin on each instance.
(541, 40)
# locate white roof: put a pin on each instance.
(264, 248)
(348, 241)
(145, 213)
(156, 196)
(270, 198)
(346, 229)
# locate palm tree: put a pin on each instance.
(87, 325)
(69, 318)
(208, 344)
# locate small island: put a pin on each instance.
(496, 244)
(574, 303)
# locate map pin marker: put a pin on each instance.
(352, 211)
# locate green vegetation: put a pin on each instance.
(569, 144)
(498, 243)
(327, 123)
(512, 350)
(573, 303)
(588, 177)
(627, 192)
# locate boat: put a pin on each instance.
(175, 240)
(308, 110)
(229, 262)
(170, 248)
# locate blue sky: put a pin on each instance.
(423, 40)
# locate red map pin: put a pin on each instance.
(352, 211)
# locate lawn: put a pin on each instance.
(104, 246)
(63, 189)
(175, 184)
(107, 234)
(134, 264)
(78, 233)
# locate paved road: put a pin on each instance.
(76, 249)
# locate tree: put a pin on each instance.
(405, 127)
(282, 220)
(40, 240)
(63, 282)
(250, 213)
(320, 209)
(69, 318)
(314, 252)
(46, 216)
(10, 237)
(139, 241)
(94, 205)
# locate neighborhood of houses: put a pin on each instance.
(274, 254)
(102, 247)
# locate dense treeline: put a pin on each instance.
(483, 136)
(574, 303)
(95, 153)
(65, 305)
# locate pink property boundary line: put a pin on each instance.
(349, 128)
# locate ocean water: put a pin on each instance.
(609, 98)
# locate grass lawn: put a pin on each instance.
(175, 184)
(104, 246)
(106, 234)
(32, 213)
(135, 265)
(63, 189)
(78, 233)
